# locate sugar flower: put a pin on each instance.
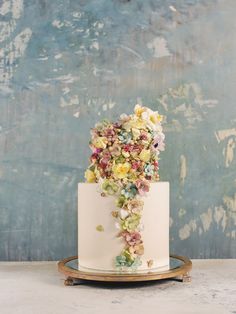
(135, 205)
(149, 169)
(136, 133)
(137, 249)
(109, 187)
(115, 150)
(100, 142)
(145, 155)
(120, 171)
(104, 161)
(125, 137)
(158, 143)
(132, 238)
(124, 213)
(139, 110)
(152, 119)
(120, 201)
(142, 186)
(90, 176)
(129, 191)
(124, 117)
(109, 132)
(126, 259)
(131, 222)
(120, 261)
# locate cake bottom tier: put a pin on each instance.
(97, 249)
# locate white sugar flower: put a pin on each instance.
(124, 117)
(153, 119)
(123, 213)
(117, 225)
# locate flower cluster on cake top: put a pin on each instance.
(124, 161)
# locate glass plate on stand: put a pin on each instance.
(179, 267)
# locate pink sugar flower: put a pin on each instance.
(109, 133)
(132, 238)
(143, 136)
(96, 150)
(115, 150)
(104, 161)
(136, 148)
(135, 165)
(158, 143)
(94, 157)
(127, 147)
(142, 186)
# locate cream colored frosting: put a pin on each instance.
(98, 249)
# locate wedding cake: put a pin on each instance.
(123, 208)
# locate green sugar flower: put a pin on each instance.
(120, 201)
(120, 159)
(120, 261)
(109, 187)
(126, 260)
(129, 257)
(131, 223)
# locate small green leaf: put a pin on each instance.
(99, 228)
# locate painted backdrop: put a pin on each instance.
(65, 64)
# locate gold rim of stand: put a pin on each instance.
(74, 276)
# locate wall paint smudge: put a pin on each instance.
(186, 107)
(185, 231)
(220, 216)
(158, 46)
(223, 134)
(230, 202)
(206, 219)
(223, 217)
(228, 152)
(183, 169)
(11, 51)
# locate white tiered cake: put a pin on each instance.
(97, 247)
(123, 208)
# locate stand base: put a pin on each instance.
(179, 270)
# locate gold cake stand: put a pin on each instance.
(180, 267)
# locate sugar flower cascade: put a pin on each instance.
(124, 161)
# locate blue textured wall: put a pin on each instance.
(66, 64)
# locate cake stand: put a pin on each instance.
(180, 267)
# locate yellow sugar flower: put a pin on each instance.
(155, 118)
(125, 154)
(90, 176)
(159, 117)
(136, 133)
(97, 173)
(145, 155)
(120, 171)
(134, 122)
(137, 123)
(139, 110)
(100, 142)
